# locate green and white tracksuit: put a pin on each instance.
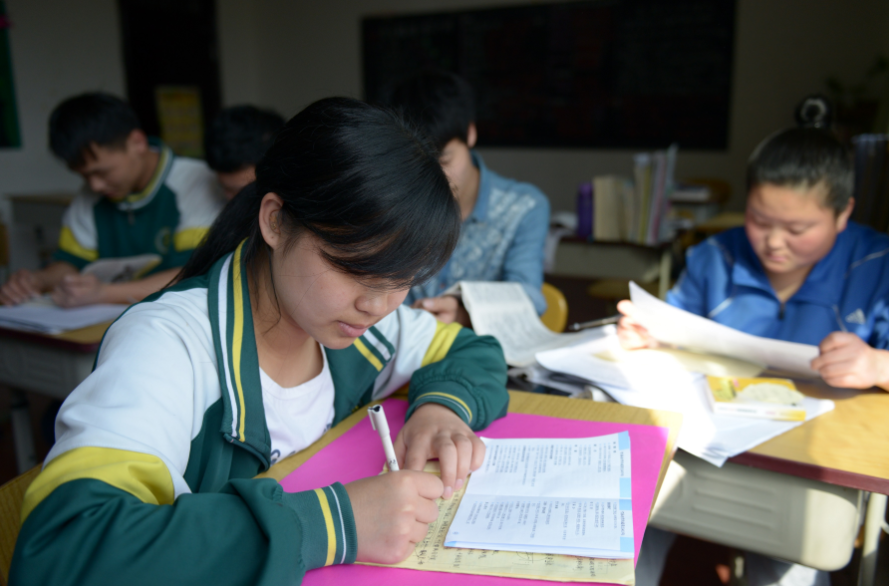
(151, 479)
(169, 217)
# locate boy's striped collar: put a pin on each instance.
(138, 200)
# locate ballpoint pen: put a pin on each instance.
(575, 327)
(379, 422)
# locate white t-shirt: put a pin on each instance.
(297, 416)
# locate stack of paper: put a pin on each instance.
(557, 496)
(666, 380)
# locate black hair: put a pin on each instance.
(89, 119)
(441, 103)
(239, 136)
(362, 180)
(803, 158)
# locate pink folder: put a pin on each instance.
(358, 453)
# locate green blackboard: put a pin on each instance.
(9, 118)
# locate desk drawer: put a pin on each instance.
(795, 519)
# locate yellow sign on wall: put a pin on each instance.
(181, 120)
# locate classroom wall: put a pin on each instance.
(58, 49)
(301, 51)
(285, 54)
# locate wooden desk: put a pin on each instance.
(520, 402)
(799, 496)
(847, 447)
(48, 364)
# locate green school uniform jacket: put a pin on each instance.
(169, 217)
(151, 479)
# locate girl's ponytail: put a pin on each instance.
(238, 220)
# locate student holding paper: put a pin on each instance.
(799, 270)
(138, 198)
(505, 221)
(287, 319)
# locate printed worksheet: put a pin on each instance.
(432, 554)
(557, 496)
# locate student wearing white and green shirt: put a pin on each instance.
(138, 198)
(286, 320)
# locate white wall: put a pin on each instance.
(287, 53)
(59, 48)
(300, 51)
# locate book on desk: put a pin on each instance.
(357, 453)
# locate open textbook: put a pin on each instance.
(43, 316)
(550, 496)
(503, 310)
(431, 554)
(121, 270)
(673, 380)
(671, 325)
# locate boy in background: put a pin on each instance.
(798, 271)
(235, 142)
(504, 221)
(138, 198)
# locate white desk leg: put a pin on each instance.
(873, 524)
(22, 434)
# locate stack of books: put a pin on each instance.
(635, 211)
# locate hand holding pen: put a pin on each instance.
(392, 511)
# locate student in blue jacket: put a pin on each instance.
(799, 271)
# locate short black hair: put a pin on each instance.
(440, 102)
(803, 158)
(239, 137)
(359, 178)
(94, 118)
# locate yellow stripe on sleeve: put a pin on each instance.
(328, 523)
(189, 238)
(457, 400)
(68, 243)
(365, 351)
(442, 340)
(238, 333)
(142, 475)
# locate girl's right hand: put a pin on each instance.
(392, 513)
(631, 333)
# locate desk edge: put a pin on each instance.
(813, 472)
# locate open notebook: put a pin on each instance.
(358, 453)
(566, 496)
